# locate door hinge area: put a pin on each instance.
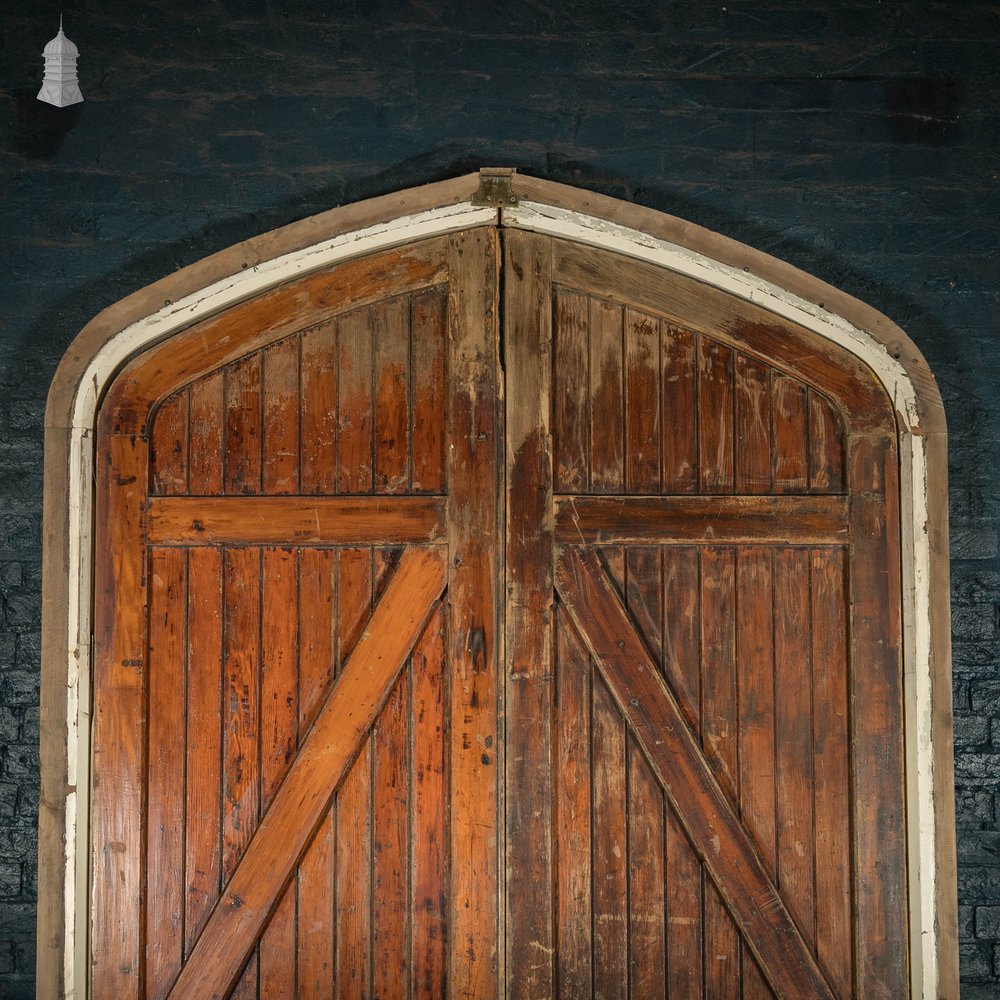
(495, 187)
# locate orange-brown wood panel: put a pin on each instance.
(203, 839)
(243, 426)
(826, 446)
(429, 834)
(355, 431)
(572, 777)
(390, 904)
(315, 904)
(722, 949)
(280, 417)
(528, 556)
(318, 409)
(206, 436)
(168, 455)
(391, 330)
(428, 333)
(474, 525)
(165, 769)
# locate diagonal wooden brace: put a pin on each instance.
(655, 717)
(284, 833)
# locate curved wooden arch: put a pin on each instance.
(718, 269)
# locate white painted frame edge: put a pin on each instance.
(581, 228)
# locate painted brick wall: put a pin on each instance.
(856, 139)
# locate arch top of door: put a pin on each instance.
(504, 198)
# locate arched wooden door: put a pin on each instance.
(451, 643)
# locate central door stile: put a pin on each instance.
(475, 570)
(529, 675)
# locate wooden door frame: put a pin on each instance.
(505, 198)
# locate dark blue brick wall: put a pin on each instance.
(856, 139)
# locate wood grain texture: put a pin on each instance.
(339, 729)
(656, 720)
(529, 619)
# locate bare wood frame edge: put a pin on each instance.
(243, 271)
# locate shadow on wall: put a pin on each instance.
(40, 128)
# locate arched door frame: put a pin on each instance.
(510, 200)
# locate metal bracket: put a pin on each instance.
(495, 187)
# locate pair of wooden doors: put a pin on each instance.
(497, 616)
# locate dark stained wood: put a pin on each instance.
(656, 720)
(791, 435)
(685, 961)
(610, 846)
(474, 478)
(165, 770)
(644, 595)
(794, 736)
(715, 417)
(722, 950)
(831, 766)
(572, 777)
(571, 393)
(753, 426)
(682, 520)
(529, 619)
(646, 874)
(642, 403)
(323, 757)
(295, 520)
(280, 439)
(678, 351)
(607, 398)
(755, 683)
(169, 446)
(682, 629)
(718, 667)
(428, 333)
(826, 446)
(429, 836)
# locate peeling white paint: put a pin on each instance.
(579, 228)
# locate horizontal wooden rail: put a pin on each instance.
(295, 520)
(721, 520)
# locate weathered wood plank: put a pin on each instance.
(685, 962)
(303, 797)
(722, 950)
(529, 619)
(165, 799)
(679, 421)
(280, 433)
(571, 392)
(724, 520)
(716, 460)
(753, 426)
(656, 719)
(826, 446)
(355, 430)
(168, 456)
(572, 777)
(607, 398)
(474, 639)
(318, 406)
(429, 794)
(295, 520)
(790, 434)
(243, 426)
(206, 434)
(391, 333)
(682, 629)
(428, 334)
(642, 403)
